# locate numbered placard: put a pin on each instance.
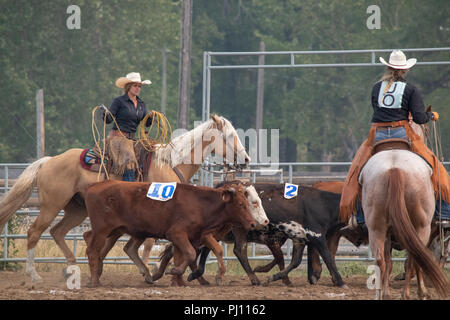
(290, 190)
(161, 191)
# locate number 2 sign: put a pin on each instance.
(161, 191)
(290, 190)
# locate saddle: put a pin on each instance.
(391, 144)
(90, 159)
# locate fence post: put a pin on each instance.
(5, 228)
(40, 126)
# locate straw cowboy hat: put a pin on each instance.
(397, 60)
(131, 77)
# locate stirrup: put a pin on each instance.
(444, 223)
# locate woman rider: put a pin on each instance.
(128, 111)
(393, 99)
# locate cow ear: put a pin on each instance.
(227, 194)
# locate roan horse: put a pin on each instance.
(398, 200)
(62, 182)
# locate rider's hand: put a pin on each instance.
(435, 116)
(102, 111)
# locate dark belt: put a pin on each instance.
(393, 124)
(117, 133)
(388, 128)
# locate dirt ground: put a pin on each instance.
(130, 286)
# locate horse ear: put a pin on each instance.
(217, 120)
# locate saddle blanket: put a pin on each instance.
(89, 160)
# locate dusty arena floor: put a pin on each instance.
(130, 286)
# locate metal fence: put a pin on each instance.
(207, 176)
(367, 57)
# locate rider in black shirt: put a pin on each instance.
(128, 111)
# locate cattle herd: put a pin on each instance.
(235, 212)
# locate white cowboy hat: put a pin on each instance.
(397, 60)
(131, 77)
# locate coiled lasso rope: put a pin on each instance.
(97, 139)
(162, 136)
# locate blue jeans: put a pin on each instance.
(388, 132)
(129, 175)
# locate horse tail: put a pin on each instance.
(406, 234)
(21, 191)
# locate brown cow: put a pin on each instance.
(192, 213)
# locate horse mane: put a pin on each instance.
(180, 147)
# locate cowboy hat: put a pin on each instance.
(397, 60)
(131, 77)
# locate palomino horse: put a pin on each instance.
(62, 182)
(398, 200)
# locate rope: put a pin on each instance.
(160, 122)
(163, 134)
(439, 156)
(97, 143)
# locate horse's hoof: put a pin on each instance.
(92, 285)
(36, 278)
(218, 281)
(65, 274)
(344, 286)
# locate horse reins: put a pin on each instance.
(438, 152)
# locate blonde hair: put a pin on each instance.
(392, 75)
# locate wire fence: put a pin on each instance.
(211, 174)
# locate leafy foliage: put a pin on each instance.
(325, 112)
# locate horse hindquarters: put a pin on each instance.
(407, 235)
